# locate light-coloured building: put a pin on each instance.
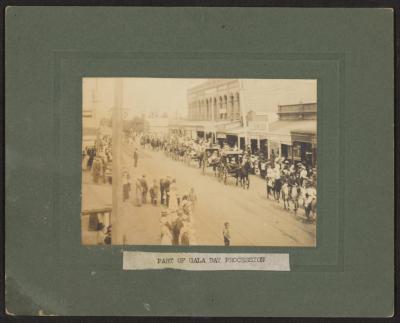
(232, 99)
(215, 100)
(238, 111)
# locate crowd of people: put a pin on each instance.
(293, 185)
(177, 207)
(97, 159)
(290, 183)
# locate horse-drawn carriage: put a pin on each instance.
(211, 158)
(234, 164)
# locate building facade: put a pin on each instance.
(294, 135)
(225, 103)
(215, 100)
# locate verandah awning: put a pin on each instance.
(282, 131)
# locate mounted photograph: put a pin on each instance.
(199, 162)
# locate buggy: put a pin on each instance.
(229, 165)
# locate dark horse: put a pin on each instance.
(242, 175)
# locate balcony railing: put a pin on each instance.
(298, 108)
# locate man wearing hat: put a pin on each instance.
(167, 184)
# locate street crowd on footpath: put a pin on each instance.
(97, 159)
(290, 184)
(177, 207)
(97, 164)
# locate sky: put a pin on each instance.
(160, 95)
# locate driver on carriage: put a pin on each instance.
(231, 164)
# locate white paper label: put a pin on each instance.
(136, 260)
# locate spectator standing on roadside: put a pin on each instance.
(154, 193)
(145, 189)
(227, 235)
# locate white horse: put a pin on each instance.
(285, 191)
(295, 195)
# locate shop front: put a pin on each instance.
(221, 139)
(242, 143)
(305, 147)
(258, 142)
(233, 137)
(264, 147)
(286, 152)
(274, 149)
(279, 145)
(294, 140)
(232, 140)
(254, 146)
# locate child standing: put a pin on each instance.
(226, 234)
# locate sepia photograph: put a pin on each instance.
(199, 162)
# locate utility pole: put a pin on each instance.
(116, 234)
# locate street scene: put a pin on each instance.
(217, 162)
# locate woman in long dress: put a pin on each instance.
(173, 195)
